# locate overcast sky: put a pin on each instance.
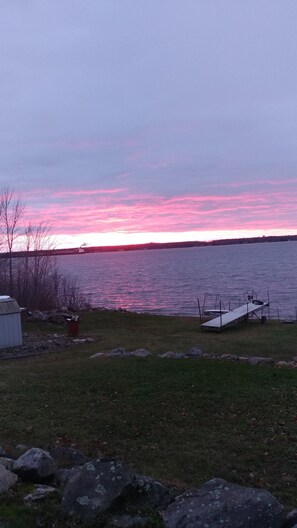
(137, 120)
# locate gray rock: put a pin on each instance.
(40, 493)
(141, 352)
(98, 355)
(37, 315)
(291, 519)
(260, 361)
(95, 488)
(167, 355)
(7, 462)
(67, 457)
(146, 492)
(21, 448)
(117, 352)
(36, 465)
(220, 504)
(172, 355)
(7, 479)
(2, 452)
(91, 340)
(129, 521)
(285, 364)
(195, 352)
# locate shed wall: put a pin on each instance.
(10, 330)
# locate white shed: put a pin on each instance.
(10, 322)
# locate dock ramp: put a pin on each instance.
(234, 316)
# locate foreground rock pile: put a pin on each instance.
(86, 489)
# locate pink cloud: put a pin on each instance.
(96, 211)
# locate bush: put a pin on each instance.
(37, 283)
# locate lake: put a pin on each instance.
(169, 281)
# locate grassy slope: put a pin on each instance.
(182, 421)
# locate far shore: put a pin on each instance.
(83, 250)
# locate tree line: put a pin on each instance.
(34, 281)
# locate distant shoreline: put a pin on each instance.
(150, 246)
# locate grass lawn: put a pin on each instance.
(181, 421)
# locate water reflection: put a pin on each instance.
(169, 281)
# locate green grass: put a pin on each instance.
(181, 421)
(160, 334)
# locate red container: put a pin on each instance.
(73, 327)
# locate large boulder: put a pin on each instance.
(95, 488)
(7, 479)
(219, 503)
(35, 465)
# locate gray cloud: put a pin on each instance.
(164, 97)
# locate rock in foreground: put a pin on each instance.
(95, 488)
(220, 504)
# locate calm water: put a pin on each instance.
(169, 281)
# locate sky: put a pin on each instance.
(132, 121)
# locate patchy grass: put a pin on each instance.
(181, 421)
(160, 334)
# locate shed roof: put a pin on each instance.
(8, 305)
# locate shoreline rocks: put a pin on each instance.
(196, 353)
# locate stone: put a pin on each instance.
(171, 355)
(37, 315)
(90, 340)
(220, 504)
(40, 493)
(67, 457)
(195, 352)
(35, 465)
(260, 361)
(117, 352)
(285, 364)
(141, 352)
(129, 521)
(21, 448)
(7, 479)
(291, 519)
(98, 486)
(7, 462)
(2, 452)
(56, 318)
(98, 355)
(146, 492)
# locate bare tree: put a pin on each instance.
(11, 212)
(33, 276)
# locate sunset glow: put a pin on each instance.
(115, 216)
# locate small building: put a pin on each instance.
(10, 322)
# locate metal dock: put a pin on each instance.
(234, 316)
